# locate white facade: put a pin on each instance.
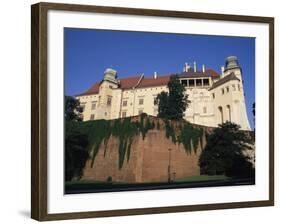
(213, 98)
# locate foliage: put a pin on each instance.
(163, 104)
(76, 155)
(190, 137)
(225, 154)
(109, 179)
(187, 134)
(124, 130)
(72, 109)
(99, 131)
(170, 131)
(172, 105)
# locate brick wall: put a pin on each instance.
(149, 160)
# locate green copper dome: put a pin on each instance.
(110, 75)
(231, 62)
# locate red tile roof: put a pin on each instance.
(130, 82)
(151, 81)
(125, 83)
(212, 73)
(94, 89)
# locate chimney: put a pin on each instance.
(203, 68)
(155, 75)
(194, 65)
(222, 71)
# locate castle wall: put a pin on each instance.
(149, 160)
(156, 159)
(106, 164)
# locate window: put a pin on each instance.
(191, 82)
(94, 105)
(213, 95)
(227, 89)
(206, 82)
(140, 112)
(140, 101)
(123, 113)
(222, 91)
(125, 103)
(184, 82)
(155, 101)
(234, 87)
(198, 82)
(109, 98)
(204, 110)
(83, 105)
(92, 117)
(239, 87)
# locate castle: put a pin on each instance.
(214, 98)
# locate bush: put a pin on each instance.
(224, 153)
(109, 179)
(76, 155)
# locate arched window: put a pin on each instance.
(229, 112)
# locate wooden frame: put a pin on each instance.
(39, 110)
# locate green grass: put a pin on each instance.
(180, 180)
(201, 178)
(85, 186)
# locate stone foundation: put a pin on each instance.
(149, 160)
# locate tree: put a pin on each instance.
(163, 104)
(226, 152)
(172, 105)
(73, 110)
(76, 155)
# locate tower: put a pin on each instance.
(237, 106)
(232, 66)
(106, 94)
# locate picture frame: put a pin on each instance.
(40, 101)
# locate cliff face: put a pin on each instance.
(153, 158)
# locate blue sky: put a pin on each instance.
(88, 52)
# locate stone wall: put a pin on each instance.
(149, 160)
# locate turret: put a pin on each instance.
(231, 62)
(110, 75)
(232, 66)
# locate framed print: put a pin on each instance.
(139, 111)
